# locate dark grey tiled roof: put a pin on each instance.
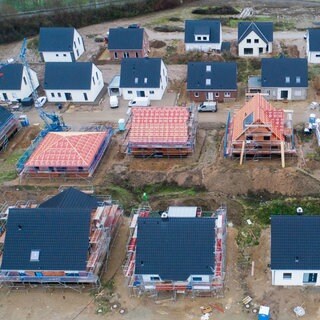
(56, 39)
(68, 75)
(202, 27)
(175, 248)
(71, 198)
(223, 76)
(11, 76)
(125, 38)
(295, 242)
(314, 39)
(60, 235)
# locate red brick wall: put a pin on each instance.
(203, 96)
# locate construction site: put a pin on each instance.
(155, 279)
(85, 225)
(258, 130)
(9, 125)
(161, 132)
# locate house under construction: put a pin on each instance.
(181, 250)
(161, 132)
(65, 240)
(259, 130)
(9, 125)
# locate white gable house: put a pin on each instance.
(60, 44)
(313, 45)
(77, 82)
(15, 83)
(143, 77)
(254, 38)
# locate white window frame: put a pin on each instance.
(208, 82)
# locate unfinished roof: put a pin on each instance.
(258, 111)
(175, 248)
(44, 239)
(295, 242)
(71, 198)
(163, 125)
(67, 149)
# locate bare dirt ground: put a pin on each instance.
(223, 179)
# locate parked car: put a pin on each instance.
(114, 102)
(40, 102)
(208, 106)
(139, 102)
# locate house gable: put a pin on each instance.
(264, 30)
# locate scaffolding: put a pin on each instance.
(161, 132)
(7, 130)
(214, 286)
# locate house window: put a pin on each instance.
(204, 38)
(64, 54)
(59, 94)
(52, 94)
(208, 82)
(75, 45)
(227, 94)
(199, 38)
(136, 80)
(317, 55)
(196, 94)
(94, 81)
(287, 79)
(248, 51)
(137, 55)
(248, 40)
(145, 80)
(79, 40)
(310, 277)
(208, 68)
(216, 94)
(256, 40)
(266, 138)
(298, 79)
(34, 255)
(57, 54)
(154, 278)
(85, 96)
(287, 275)
(129, 91)
(116, 55)
(126, 54)
(97, 75)
(151, 91)
(196, 278)
(24, 80)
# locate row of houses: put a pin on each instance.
(180, 250)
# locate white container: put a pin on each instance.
(121, 125)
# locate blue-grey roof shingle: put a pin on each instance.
(284, 72)
(125, 38)
(56, 39)
(71, 198)
(175, 248)
(202, 27)
(60, 235)
(223, 76)
(140, 73)
(295, 242)
(11, 76)
(314, 39)
(263, 29)
(68, 75)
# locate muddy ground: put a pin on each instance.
(216, 181)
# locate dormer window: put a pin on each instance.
(208, 68)
(208, 82)
(202, 37)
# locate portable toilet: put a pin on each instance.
(121, 125)
(312, 119)
(24, 121)
(264, 313)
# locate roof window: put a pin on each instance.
(34, 255)
(208, 82)
(136, 80)
(208, 68)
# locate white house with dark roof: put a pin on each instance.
(313, 45)
(15, 83)
(254, 38)
(143, 77)
(203, 35)
(295, 250)
(77, 82)
(60, 44)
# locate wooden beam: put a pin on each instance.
(242, 152)
(282, 155)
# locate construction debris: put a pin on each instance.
(299, 311)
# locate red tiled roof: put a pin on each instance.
(159, 125)
(67, 149)
(263, 112)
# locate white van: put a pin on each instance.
(139, 102)
(114, 102)
(208, 106)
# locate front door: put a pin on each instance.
(284, 94)
(68, 96)
(141, 94)
(210, 96)
(310, 277)
(5, 96)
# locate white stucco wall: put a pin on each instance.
(293, 93)
(296, 277)
(255, 46)
(313, 57)
(78, 46)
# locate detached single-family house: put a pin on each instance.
(64, 240)
(60, 44)
(203, 35)
(15, 83)
(295, 250)
(254, 38)
(143, 77)
(313, 45)
(128, 43)
(284, 78)
(216, 81)
(69, 81)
